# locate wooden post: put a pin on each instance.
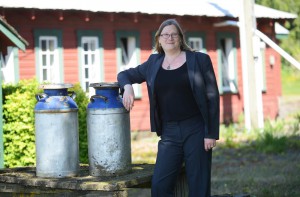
(252, 91)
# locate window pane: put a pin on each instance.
(93, 46)
(93, 59)
(44, 60)
(197, 45)
(51, 45)
(124, 50)
(44, 74)
(51, 59)
(86, 73)
(87, 86)
(225, 66)
(85, 46)
(192, 44)
(44, 45)
(86, 59)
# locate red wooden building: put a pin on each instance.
(71, 43)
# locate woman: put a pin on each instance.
(184, 110)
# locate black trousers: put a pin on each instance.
(182, 141)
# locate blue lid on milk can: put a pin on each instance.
(107, 96)
(56, 97)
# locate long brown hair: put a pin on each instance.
(183, 44)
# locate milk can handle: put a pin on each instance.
(72, 94)
(40, 96)
(98, 96)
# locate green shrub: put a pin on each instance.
(18, 122)
(268, 143)
(82, 101)
(228, 134)
(271, 139)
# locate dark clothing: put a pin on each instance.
(202, 80)
(182, 141)
(174, 94)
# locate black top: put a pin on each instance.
(174, 94)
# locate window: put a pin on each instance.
(48, 48)
(227, 62)
(196, 40)
(196, 43)
(48, 57)
(128, 53)
(262, 65)
(9, 65)
(90, 59)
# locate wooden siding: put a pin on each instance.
(108, 24)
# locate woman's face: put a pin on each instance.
(169, 38)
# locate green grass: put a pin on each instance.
(290, 78)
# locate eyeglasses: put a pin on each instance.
(166, 36)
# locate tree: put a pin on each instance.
(292, 43)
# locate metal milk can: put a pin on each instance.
(56, 129)
(108, 125)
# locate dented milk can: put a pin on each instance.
(56, 129)
(108, 126)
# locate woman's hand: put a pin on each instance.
(209, 143)
(128, 97)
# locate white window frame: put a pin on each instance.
(52, 66)
(90, 61)
(196, 41)
(8, 66)
(129, 59)
(228, 66)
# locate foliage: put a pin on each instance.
(18, 128)
(18, 118)
(269, 143)
(82, 101)
(229, 134)
(276, 137)
(297, 122)
(292, 43)
(290, 81)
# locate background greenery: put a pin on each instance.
(292, 43)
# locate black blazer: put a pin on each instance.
(203, 83)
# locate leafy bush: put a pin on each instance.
(271, 139)
(228, 134)
(82, 101)
(18, 122)
(269, 143)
